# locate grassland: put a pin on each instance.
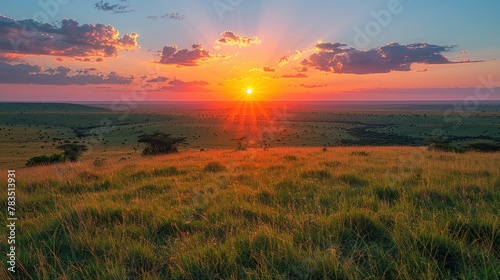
(280, 213)
(28, 130)
(283, 209)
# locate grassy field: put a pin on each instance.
(285, 208)
(280, 213)
(29, 130)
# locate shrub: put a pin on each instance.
(482, 147)
(40, 160)
(160, 143)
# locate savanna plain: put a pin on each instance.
(256, 191)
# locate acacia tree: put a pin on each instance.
(160, 143)
(73, 151)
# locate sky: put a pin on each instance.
(232, 50)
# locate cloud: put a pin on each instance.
(174, 16)
(283, 61)
(182, 86)
(185, 57)
(312, 86)
(269, 69)
(300, 69)
(113, 8)
(294, 76)
(338, 58)
(25, 73)
(68, 39)
(86, 59)
(231, 39)
(10, 57)
(158, 79)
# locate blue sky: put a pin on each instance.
(452, 33)
(468, 24)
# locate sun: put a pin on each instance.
(249, 91)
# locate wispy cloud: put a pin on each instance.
(174, 16)
(113, 8)
(294, 76)
(25, 73)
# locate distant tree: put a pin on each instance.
(73, 151)
(160, 143)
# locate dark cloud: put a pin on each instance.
(25, 73)
(312, 86)
(68, 39)
(229, 38)
(338, 58)
(182, 86)
(158, 79)
(294, 76)
(113, 8)
(269, 69)
(185, 57)
(174, 16)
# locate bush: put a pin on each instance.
(71, 152)
(40, 160)
(482, 147)
(160, 143)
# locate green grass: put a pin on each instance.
(256, 215)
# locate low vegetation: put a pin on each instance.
(225, 214)
(71, 152)
(158, 143)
